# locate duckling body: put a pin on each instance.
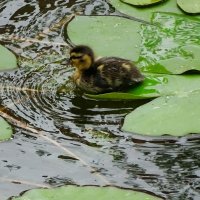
(103, 75)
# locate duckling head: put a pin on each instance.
(82, 57)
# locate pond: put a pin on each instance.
(68, 138)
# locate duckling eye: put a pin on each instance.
(76, 57)
(82, 60)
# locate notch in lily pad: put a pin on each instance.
(71, 192)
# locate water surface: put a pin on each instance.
(90, 129)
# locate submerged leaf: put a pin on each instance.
(5, 130)
(141, 2)
(8, 59)
(174, 47)
(106, 35)
(172, 115)
(85, 192)
(189, 6)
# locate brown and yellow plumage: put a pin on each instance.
(103, 75)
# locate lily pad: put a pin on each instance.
(146, 12)
(174, 47)
(171, 115)
(107, 35)
(191, 6)
(86, 192)
(8, 59)
(141, 2)
(5, 130)
(156, 85)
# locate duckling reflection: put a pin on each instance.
(102, 75)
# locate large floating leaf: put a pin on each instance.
(86, 192)
(7, 59)
(141, 2)
(174, 47)
(172, 115)
(189, 6)
(107, 35)
(5, 130)
(145, 13)
(156, 85)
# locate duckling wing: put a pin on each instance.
(118, 72)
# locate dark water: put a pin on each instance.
(89, 129)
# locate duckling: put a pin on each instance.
(103, 75)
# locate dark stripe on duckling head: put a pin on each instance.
(76, 56)
(82, 49)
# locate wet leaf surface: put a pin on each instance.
(86, 192)
(169, 115)
(175, 47)
(112, 30)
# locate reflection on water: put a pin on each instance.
(88, 128)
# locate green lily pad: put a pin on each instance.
(189, 6)
(8, 59)
(174, 47)
(168, 115)
(141, 2)
(5, 130)
(156, 85)
(146, 12)
(107, 35)
(86, 192)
